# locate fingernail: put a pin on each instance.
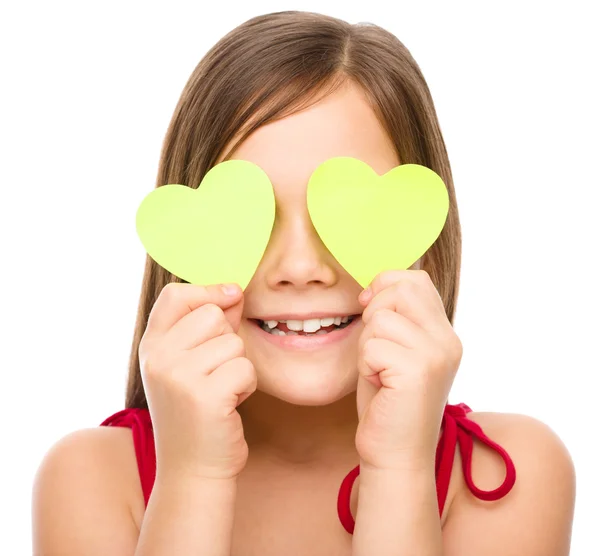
(230, 289)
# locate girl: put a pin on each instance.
(244, 436)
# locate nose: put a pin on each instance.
(296, 257)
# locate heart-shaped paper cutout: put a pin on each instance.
(373, 223)
(215, 234)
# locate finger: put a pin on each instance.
(386, 279)
(234, 312)
(365, 392)
(215, 352)
(409, 299)
(197, 327)
(387, 359)
(389, 325)
(177, 300)
(417, 277)
(236, 378)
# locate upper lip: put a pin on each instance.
(305, 316)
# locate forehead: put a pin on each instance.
(341, 124)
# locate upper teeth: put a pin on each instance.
(310, 325)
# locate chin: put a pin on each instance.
(305, 384)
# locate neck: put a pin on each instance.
(295, 434)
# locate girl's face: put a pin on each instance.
(298, 279)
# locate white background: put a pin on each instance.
(87, 93)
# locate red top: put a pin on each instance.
(456, 427)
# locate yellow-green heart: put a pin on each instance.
(214, 234)
(373, 223)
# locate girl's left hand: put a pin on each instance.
(408, 357)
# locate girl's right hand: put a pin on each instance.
(195, 374)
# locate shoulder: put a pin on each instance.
(539, 455)
(85, 478)
(101, 450)
(536, 515)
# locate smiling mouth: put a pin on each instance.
(310, 327)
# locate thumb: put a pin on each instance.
(234, 314)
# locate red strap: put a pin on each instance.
(143, 440)
(467, 429)
(343, 503)
(456, 426)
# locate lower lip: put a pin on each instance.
(307, 342)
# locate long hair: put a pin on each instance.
(272, 66)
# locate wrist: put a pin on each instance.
(409, 461)
(415, 474)
(187, 480)
(383, 487)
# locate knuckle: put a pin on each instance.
(379, 321)
(367, 361)
(235, 344)
(400, 288)
(422, 275)
(457, 349)
(367, 349)
(153, 362)
(437, 357)
(171, 291)
(387, 278)
(248, 370)
(143, 346)
(212, 314)
(413, 286)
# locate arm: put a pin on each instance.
(81, 504)
(397, 514)
(188, 517)
(535, 517)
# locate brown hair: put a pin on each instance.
(274, 65)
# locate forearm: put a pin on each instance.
(188, 517)
(397, 514)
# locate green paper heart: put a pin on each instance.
(373, 223)
(214, 234)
